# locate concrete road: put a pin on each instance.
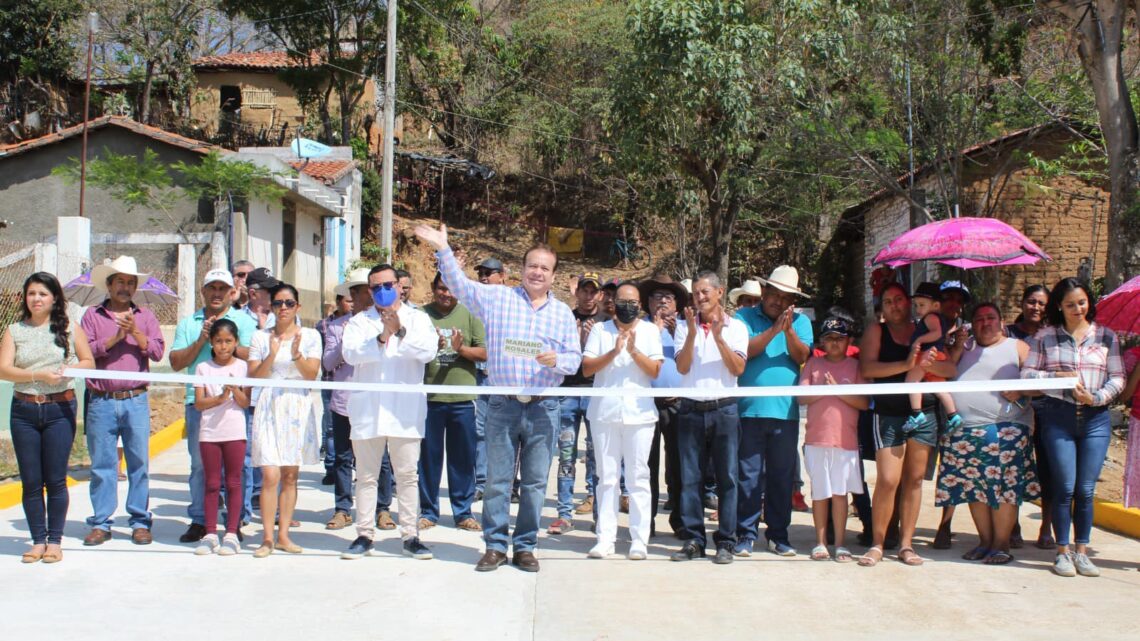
(165, 592)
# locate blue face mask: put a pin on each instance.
(385, 296)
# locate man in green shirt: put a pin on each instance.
(451, 417)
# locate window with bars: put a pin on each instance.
(258, 98)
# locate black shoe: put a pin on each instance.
(415, 549)
(711, 502)
(689, 551)
(723, 556)
(328, 479)
(668, 507)
(193, 534)
(361, 546)
(478, 495)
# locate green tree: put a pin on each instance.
(33, 39)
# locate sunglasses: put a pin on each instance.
(378, 287)
(241, 274)
(287, 304)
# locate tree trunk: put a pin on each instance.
(148, 82)
(1100, 30)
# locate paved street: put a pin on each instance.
(164, 592)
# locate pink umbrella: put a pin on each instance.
(1120, 310)
(962, 242)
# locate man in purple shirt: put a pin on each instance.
(123, 337)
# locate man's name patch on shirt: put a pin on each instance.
(521, 348)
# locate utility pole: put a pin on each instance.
(92, 27)
(387, 167)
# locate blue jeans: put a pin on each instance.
(1076, 438)
(530, 426)
(42, 436)
(768, 463)
(480, 439)
(699, 434)
(572, 412)
(197, 481)
(450, 427)
(327, 432)
(107, 421)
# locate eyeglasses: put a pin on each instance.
(241, 274)
(379, 286)
(660, 295)
(287, 304)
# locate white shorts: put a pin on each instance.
(833, 472)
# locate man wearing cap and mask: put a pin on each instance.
(124, 338)
(587, 313)
(389, 342)
(191, 346)
(532, 341)
(779, 344)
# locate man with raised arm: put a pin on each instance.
(532, 341)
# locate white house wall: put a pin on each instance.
(264, 235)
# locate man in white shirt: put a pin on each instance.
(388, 343)
(712, 355)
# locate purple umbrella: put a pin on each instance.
(962, 242)
(1120, 310)
(149, 294)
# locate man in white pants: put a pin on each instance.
(623, 353)
(388, 343)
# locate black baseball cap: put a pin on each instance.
(835, 325)
(261, 278)
(928, 290)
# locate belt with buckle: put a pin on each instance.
(121, 395)
(40, 399)
(662, 403)
(524, 398)
(706, 406)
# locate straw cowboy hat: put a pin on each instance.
(786, 279)
(121, 265)
(354, 278)
(748, 288)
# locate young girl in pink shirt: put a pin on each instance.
(222, 436)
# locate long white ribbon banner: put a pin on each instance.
(997, 385)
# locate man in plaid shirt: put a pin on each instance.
(532, 341)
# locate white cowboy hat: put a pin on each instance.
(688, 285)
(748, 288)
(786, 279)
(121, 265)
(354, 278)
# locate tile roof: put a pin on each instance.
(257, 60)
(160, 135)
(326, 171)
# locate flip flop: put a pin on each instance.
(976, 554)
(909, 557)
(1016, 542)
(820, 553)
(998, 557)
(843, 555)
(869, 561)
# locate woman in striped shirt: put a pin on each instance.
(1075, 424)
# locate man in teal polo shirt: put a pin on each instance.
(779, 343)
(192, 346)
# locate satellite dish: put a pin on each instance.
(305, 148)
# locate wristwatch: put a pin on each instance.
(402, 332)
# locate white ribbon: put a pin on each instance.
(997, 385)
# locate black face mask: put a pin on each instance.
(627, 311)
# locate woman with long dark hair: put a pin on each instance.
(33, 354)
(1075, 425)
(1034, 300)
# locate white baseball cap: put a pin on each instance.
(219, 276)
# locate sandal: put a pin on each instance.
(869, 561)
(1046, 542)
(998, 557)
(290, 547)
(51, 556)
(843, 555)
(1016, 542)
(264, 550)
(909, 557)
(820, 553)
(977, 554)
(32, 555)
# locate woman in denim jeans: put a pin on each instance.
(1075, 425)
(33, 353)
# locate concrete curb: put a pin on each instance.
(12, 493)
(1117, 518)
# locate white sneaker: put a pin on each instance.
(207, 545)
(637, 552)
(230, 545)
(601, 551)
